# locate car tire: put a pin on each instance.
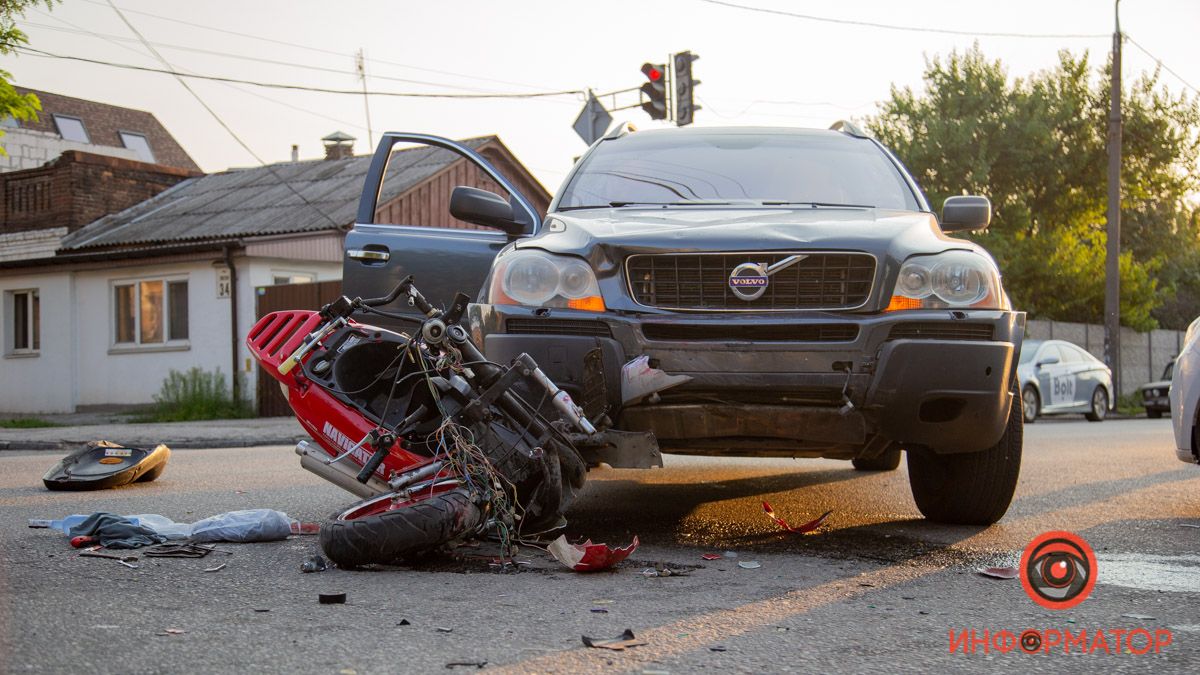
(1031, 404)
(888, 461)
(973, 488)
(1153, 414)
(1099, 404)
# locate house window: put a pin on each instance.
(139, 144)
(24, 318)
(71, 128)
(150, 312)
(280, 278)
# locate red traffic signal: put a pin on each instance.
(654, 92)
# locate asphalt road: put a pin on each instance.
(877, 590)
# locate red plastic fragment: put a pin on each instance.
(1000, 572)
(803, 529)
(711, 556)
(588, 557)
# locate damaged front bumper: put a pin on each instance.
(821, 384)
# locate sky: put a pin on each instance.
(755, 67)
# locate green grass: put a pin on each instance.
(195, 395)
(26, 423)
(1131, 404)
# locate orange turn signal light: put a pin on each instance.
(591, 303)
(901, 302)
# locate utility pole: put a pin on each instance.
(1112, 264)
(361, 66)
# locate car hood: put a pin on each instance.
(607, 236)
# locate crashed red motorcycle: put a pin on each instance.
(440, 443)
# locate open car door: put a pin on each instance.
(406, 223)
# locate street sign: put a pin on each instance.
(223, 282)
(593, 120)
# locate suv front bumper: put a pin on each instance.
(935, 378)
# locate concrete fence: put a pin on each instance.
(1143, 355)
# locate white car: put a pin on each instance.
(1185, 397)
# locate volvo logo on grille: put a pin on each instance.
(749, 281)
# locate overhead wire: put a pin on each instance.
(898, 27)
(1160, 63)
(221, 121)
(299, 87)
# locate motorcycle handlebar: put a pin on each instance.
(405, 287)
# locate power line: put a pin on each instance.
(220, 121)
(886, 26)
(1160, 63)
(256, 59)
(318, 50)
(114, 41)
(299, 87)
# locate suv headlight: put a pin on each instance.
(539, 279)
(954, 280)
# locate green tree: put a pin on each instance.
(14, 104)
(1037, 148)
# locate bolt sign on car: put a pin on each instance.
(733, 291)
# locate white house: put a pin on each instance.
(170, 283)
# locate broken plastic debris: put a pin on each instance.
(711, 556)
(616, 644)
(749, 565)
(639, 380)
(803, 529)
(1143, 617)
(467, 664)
(404, 622)
(1181, 525)
(661, 570)
(218, 568)
(999, 572)
(443, 629)
(588, 557)
(331, 598)
(172, 631)
(717, 648)
(314, 564)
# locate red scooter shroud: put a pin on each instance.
(335, 426)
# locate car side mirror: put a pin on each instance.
(966, 213)
(484, 208)
(1048, 361)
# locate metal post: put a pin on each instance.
(361, 66)
(1112, 267)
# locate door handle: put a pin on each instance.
(362, 254)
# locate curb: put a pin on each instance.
(183, 444)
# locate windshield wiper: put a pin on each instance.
(689, 202)
(816, 205)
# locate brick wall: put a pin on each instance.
(78, 188)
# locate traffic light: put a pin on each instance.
(684, 87)
(655, 91)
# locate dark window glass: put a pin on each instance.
(126, 318)
(37, 320)
(177, 305)
(741, 168)
(20, 320)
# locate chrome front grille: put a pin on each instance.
(700, 281)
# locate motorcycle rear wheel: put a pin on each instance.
(371, 532)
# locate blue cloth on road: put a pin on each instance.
(116, 531)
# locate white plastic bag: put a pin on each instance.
(244, 526)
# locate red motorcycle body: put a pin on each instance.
(333, 423)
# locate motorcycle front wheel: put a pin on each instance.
(382, 530)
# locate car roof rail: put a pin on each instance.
(622, 129)
(849, 128)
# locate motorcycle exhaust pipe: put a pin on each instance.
(340, 474)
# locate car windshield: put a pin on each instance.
(809, 169)
(1028, 350)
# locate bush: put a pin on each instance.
(196, 395)
(26, 423)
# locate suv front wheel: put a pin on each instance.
(970, 488)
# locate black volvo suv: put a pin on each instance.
(737, 291)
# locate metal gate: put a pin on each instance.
(270, 400)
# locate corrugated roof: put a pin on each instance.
(256, 201)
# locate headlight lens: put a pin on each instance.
(539, 279)
(955, 279)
